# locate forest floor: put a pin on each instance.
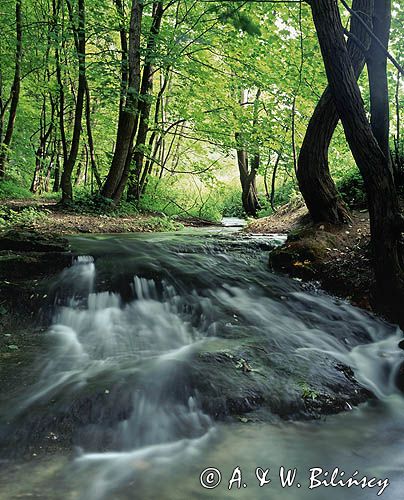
(48, 217)
(338, 258)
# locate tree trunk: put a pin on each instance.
(90, 139)
(56, 182)
(61, 104)
(42, 151)
(66, 180)
(377, 71)
(249, 196)
(144, 111)
(15, 92)
(385, 219)
(313, 174)
(129, 105)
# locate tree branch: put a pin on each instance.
(373, 36)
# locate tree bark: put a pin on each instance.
(249, 196)
(134, 189)
(90, 139)
(377, 72)
(385, 218)
(313, 174)
(15, 91)
(131, 69)
(66, 180)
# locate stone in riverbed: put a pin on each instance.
(31, 241)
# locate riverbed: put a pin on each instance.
(165, 355)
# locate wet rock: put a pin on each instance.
(30, 265)
(278, 384)
(31, 241)
(400, 378)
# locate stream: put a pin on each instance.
(168, 354)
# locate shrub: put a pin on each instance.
(170, 197)
(231, 203)
(352, 189)
(24, 218)
(9, 189)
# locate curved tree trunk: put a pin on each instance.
(386, 222)
(249, 196)
(315, 181)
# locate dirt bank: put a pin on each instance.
(338, 258)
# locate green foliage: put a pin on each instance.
(23, 218)
(10, 189)
(169, 197)
(95, 204)
(308, 392)
(284, 194)
(207, 55)
(162, 224)
(231, 203)
(352, 189)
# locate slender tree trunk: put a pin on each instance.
(398, 164)
(248, 175)
(56, 182)
(146, 89)
(273, 182)
(66, 180)
(90, 139)
(377, 71)
(128, 104)
(15, 91)
(315, 181)
(59, 78)
(42, 151)
(386, 222)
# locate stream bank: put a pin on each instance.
(337, 258)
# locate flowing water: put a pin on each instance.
(129, 321)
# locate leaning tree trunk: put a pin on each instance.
(315, 181)
(377, 71)
(386, 222)
(15, 91)
(66, 180)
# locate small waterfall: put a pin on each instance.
(96, 333)
(129, 324)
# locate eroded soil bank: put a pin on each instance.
(337, 258)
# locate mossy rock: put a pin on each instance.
(29, 265)
(302, 249)
(32, 241)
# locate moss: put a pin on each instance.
(303, 248)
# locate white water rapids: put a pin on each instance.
(100, 337)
